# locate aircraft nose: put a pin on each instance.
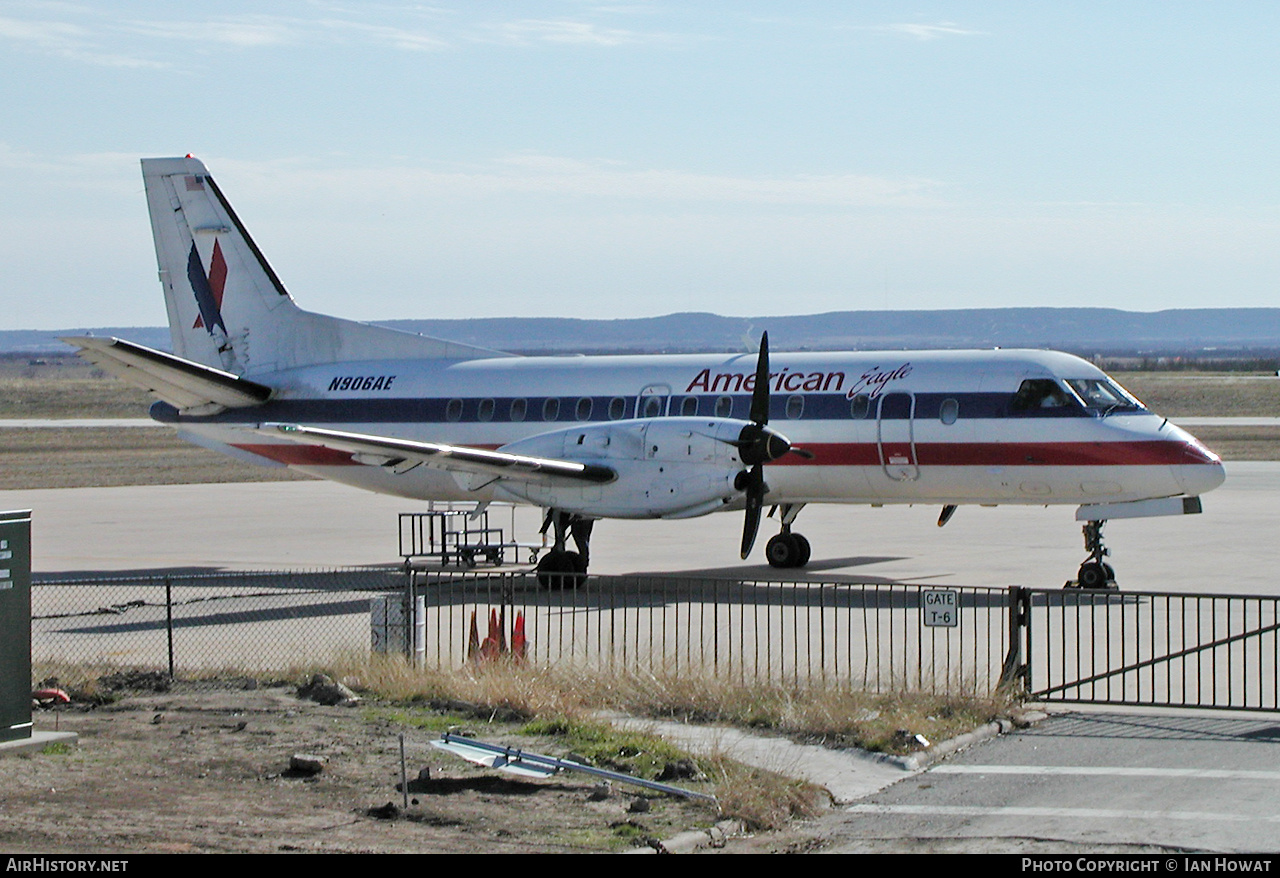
(1200, 469)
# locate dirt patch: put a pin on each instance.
(207, 769)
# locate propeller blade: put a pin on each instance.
(755, 488)
(760, 393)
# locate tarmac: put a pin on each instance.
(1230, 548)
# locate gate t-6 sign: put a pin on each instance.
(940, 608)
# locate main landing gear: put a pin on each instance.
(562, 567)
(1094, 573)
(788, 549)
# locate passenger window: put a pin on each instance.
(518, 407)
(485, 410)
(617, 408)
(1040, 393)
(724, 406)
(583, 411)
(551, 409)
(689, 407)
(949, 412)
(795, 406)
(453, 412)
(860, 407)
(652, 406)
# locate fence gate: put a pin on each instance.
(1148, 648)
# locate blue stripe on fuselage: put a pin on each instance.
(817, 407)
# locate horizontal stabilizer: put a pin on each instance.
(191, 387)
(401, 455)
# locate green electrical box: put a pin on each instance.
(15, 625)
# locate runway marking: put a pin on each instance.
(1081, 813)
(1111, 771)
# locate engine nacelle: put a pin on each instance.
(667, 467)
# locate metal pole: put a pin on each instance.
(168, 620)
(1015, 668)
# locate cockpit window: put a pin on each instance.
(1040, 393)
(1102, 396)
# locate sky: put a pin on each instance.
(570, 158)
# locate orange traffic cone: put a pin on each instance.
(519, 646)
(473, 640)
(489, 649)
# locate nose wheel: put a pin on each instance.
(1094, 573)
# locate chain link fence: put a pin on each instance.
(192, 624)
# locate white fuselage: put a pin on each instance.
(945, 427)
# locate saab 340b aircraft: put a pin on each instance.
(586, 438)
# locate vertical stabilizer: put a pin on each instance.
(227, 309)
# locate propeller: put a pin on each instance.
(757, 445)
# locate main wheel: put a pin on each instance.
(1093, 575)
(562, 569)
(804, 550)
(786, 550)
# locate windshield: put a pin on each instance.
(1039, 394)
(1103, 396)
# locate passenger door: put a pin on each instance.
(895, 436)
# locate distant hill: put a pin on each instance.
(1219, 331)
(1075, 329)
(46, 340)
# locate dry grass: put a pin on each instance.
(833, 715)
(563, 703)
(1195, 394)
(763, 800)
(55, 457)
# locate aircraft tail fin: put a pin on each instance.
(228, 309)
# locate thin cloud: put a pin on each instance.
(566, 32)
(395, 37)
(97, 39)
(557, 176)
(248, 32)
(65, 40)
(925, 32)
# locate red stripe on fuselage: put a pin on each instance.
(1145, 453)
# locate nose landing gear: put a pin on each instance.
(1094, 573)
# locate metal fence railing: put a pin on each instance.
(1153, 649)
(1139, 648)
(870, 636)
(794, 633)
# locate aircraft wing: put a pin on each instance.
(402, 455)
(179, 382)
